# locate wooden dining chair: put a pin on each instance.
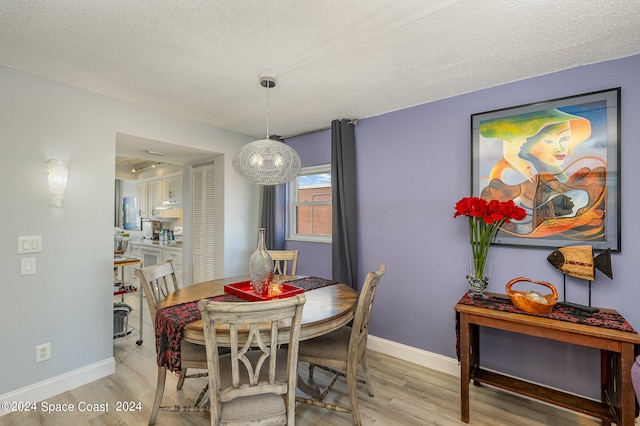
(340, 351)
(158, 281)
(281, 259)
(256, 382)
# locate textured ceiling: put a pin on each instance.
(332, 58)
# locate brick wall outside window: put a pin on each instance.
(314, 220)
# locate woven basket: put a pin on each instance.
(520, 301)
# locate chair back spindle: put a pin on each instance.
(360, 327)
(281, 261)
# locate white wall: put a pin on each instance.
(68, 302)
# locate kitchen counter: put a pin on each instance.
(157, 243)
(152, 252)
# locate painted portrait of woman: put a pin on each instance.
(552, 163)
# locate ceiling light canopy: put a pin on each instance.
(267, 161)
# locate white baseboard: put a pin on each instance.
(417, 356)
(56, 385)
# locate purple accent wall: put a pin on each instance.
(414, 164)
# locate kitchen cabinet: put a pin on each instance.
(154, 197)
(141, 199)
(160, 198)
(174, 254)
(152, 254)
(130, 271)
(170, 198)
(172, 190)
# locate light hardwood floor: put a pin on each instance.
(405, 394)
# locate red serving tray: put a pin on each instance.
(245, 291)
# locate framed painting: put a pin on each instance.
(129, 213)
(560, 161)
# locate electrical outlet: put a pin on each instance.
(43, 352)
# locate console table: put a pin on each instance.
(616, 344)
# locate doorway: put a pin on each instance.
(144, 162)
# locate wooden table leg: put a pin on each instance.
(464, 368)
(607, 380)
(628, 396)
(474, 349)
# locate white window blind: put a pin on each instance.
(203, 222)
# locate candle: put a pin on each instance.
(275, 290)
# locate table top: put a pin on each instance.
(326, 308)
(549, 323)
(126, 261)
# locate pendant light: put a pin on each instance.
(267, 161)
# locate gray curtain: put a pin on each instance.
(272, 216)
(344, 200)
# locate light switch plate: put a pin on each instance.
(30, 244)
(27, 266)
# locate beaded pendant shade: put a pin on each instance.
(267, 161)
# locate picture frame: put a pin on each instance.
(129, 213)
(558, 159)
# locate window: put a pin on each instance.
(310, 205)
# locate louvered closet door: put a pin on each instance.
(203, 222)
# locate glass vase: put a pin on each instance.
(261, 266)
(478, 274)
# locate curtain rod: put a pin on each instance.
(352, 122)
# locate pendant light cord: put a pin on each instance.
(268, 110)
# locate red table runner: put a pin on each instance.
(170, 321)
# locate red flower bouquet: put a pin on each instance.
(485, 219)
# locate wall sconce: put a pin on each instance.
(58, 171)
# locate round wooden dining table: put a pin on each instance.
(326, 309)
